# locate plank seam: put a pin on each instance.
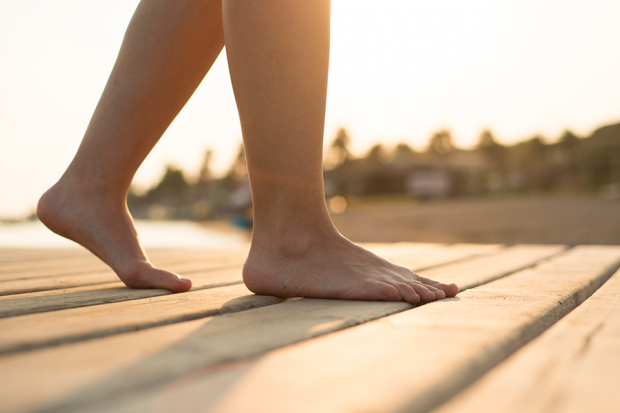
(477, 368)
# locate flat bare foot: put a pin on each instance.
(330, 266)
(100, 222)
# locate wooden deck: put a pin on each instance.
(74, 339)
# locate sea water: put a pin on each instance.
(153, 234)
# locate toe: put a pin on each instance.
(439, 294)
(178, 284)
(170, 281)
(408, 293)
(450, 289)
(388, 292)
(156, 278)
(425, 294)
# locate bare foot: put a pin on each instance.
(330, 266)
(100, 222)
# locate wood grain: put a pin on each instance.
(431, 257)
(572, 367)
(478, 270)
(175, 261)
(444, 337)
(40, 330)
(103, 293)
(414, 360)
(106, 275)
(12, 255)
(72, 297)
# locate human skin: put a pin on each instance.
(278, 55)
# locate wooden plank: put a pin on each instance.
(572, 367)
(416, 256)
(12, 305)
(410, 361)
(428, 258)
(191, 269)
(81, 253)
(186, 261)
(29, 303)
(101, 371)
(50, 266)
(54, 283)
(8, 255)
(88, 369)
(65, 326)
(14, 255)
(464, 273)
(482, 269)
(99, 294)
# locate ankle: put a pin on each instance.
(294, 240)
(77, 186)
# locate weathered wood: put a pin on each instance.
(414, 360)
(191, 269)
(55, 260)
(432, 257)
(40, 330)
(11, 255)
(418, 256)
(29, 303)
(86, 265)
(572, 367)
(67, 297)
(100, 371)
(26, 256)
(102, 292)
(83, 372)
(55, 283)
(65, 326)
(469, 273)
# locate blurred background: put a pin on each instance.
(447, 121)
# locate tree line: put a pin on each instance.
(570, 164)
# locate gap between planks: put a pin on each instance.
(39, 330)
(84, 265)
(571, 368)
(106, 275)
(147, 357)
(470, 271)
(60, 266)
(416, 256)
(412, 361)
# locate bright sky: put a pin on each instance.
(400, 69)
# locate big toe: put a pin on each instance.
(450, 289)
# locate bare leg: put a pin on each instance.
(278, 53)
(168, 48)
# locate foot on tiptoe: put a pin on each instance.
(100, 222)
